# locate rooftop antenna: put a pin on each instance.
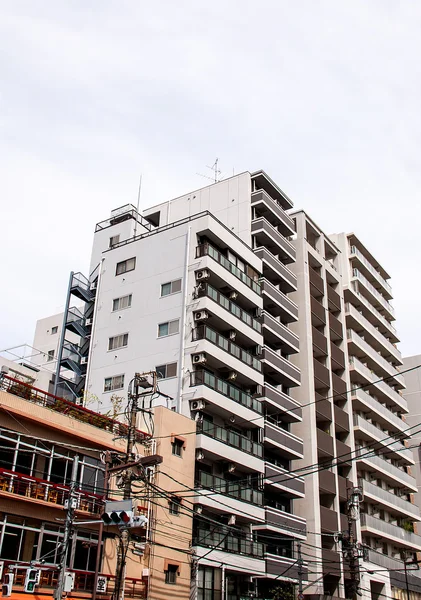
(137, 206)
(216, 172)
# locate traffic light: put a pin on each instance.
(31, 580)
(118, 517)
(7, 585)
(121, 513)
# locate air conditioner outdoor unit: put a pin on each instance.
(203, 274)
(232, 334)
(201, 315)
(231, 520)
(199, 359)
(257, 350)
(197, 404)
(88, 322)
(84, 360)
(233, 295)
(232, 375)
(258, 312)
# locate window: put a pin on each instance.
(118, 341)
(113, 383)
(172, 287)
(171, 574)
(114, 240)
(54, 330)
(168, 328)
(50, 355)
(166, 371)
(123, 302)
(177, 446)
(125, 265)
(174, 505)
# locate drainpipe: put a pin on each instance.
(183, 321)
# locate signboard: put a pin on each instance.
(101, 584)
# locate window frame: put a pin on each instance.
(124, 262)
(54, 330)
(112, 377)
(177, 444)
(171, 283)
(166, 376)
(50, 355)
(113, 241)
(130, 296)
(171, 574)
(113, 337)
(174, 506)
(168, 323)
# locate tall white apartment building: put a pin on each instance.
(384, 463)
(198, 289)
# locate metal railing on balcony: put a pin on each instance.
(372, 330)
(212, 293)
(381, 299)
(383, 437)
(373, 310)
(390, 529)
(54, 493)
(370, 352)
(203, 377)
(378, 408)
(70, 409)
(354, 250)
(382, 386)
(386, 466)
(83, 583)
(390, 499)
(204, 332)
(231, 438)
(246, 493)
(208, 250)
(227, 541)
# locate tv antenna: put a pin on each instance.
(216, 172)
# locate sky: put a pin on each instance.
(323, 95)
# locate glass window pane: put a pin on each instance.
(176, 286)
(165, 289)
(174, 326)
(162, 329)
(172, 370)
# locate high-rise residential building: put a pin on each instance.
(412, 395)
(198, 289)
(330, 472)
(384, 463)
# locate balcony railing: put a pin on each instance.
(386, 466)
(363, 300)
(227, 542)
(381, 299)
(208, 250)
(371, 353)
(213, 294)
(230, 488)
(369, 266)
(55, 493)
(203, 332)
(83, 583)
(70, 409)
(390, 529)
(388, 498)
(382, 386)
(231, 438)
(383, 437)
(378, 408)
(229, 390)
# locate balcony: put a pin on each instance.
(329, 520)
(374, 295)
(75, 322)
(331, 565)
(321, 376)
(360, 373)
(396, 534)
(277, 303)
(266, 235)
(212, 293)
(339, 388)
(368, 431)
(344, 484)
(316, 283)
(276, 271)
(284, 521)
(290, 444)
(323, 409)
(281, 479)
(389, 500)
(324, 444)
(277, 399)
(278, 335)
(208, 250)
(383, 368)
(334, 299)
(327, 482)
(230, 488)
(267, 207)
(230, 438)
(208, 379)
(363, 401)
(356, 254)
(376, 338)
(389, 472)
(318, 313)
(203, 332)
(344, 454)
(336, 329)
(279, 368)
(319, 343)
(277, 565)
(226, 541)
(353, 297)
(341, 420)
(337, 357)
(46, 493)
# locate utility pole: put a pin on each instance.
(70, 506)
(351, 549)
(300, 572)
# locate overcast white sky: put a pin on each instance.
(323, 95)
